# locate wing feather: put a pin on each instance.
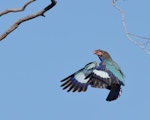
(78, 81)
(115, 72)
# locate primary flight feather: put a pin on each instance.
(103, 74)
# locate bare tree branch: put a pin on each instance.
(142, 45)
(29, 17)
(17, 10)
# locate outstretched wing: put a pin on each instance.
(78, 81)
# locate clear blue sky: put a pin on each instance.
(41, 52)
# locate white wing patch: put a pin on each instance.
(80, 77)
(91, 65)
(101, 73)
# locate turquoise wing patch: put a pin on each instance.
(115, 69)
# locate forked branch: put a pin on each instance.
(29, 17)
(129, 35)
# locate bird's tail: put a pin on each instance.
(114, 93)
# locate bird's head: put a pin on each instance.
(103, 55)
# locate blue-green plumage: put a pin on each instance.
(116, 75)
(105, 74)
(114, 68)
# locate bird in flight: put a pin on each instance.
(103, 74)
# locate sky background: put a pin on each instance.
(43, 51)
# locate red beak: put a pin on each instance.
(97, 52)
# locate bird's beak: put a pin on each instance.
(97, 52)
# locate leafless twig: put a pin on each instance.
(29, 17)
(17, 10)
(129, 34)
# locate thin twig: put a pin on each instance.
(128, 34)
(17, 9)
(139, 36)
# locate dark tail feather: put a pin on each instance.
(114, 93)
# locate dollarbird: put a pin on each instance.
(103, 74)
